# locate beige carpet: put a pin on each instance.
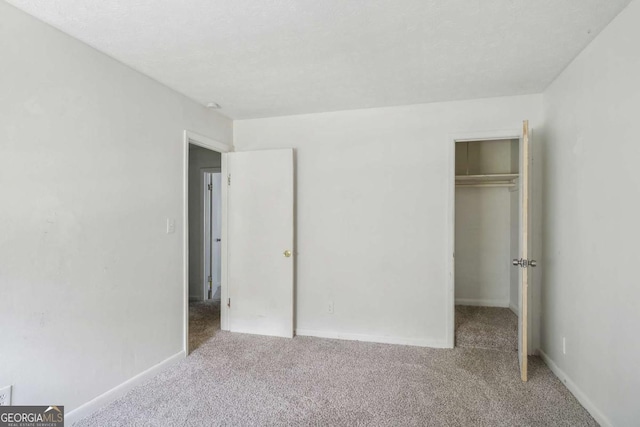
(486, 327)
(246, 380)
(204, 321)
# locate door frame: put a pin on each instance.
(203, 197)
(219, 147)
(515, 133)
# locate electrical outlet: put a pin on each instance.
(564, 345)
(171, 225)
(330, 307)
(5, 396)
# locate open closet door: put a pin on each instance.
(260, 242)
(524, 263)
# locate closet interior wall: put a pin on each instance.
(486, 221)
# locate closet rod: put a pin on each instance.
(487, 185)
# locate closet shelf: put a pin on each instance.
(497, 179)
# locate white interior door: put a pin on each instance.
(212, 234)
(524, 263)
(216, 233)
(207, 216)
(260, 242)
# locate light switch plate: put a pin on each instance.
(171, 225)
(5, 396)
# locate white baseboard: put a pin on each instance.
(513, 308)
(576, 391)
(483, 302)
(118, 391)
(418, 342)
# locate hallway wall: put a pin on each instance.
(198, 158)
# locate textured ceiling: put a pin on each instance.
(260, 58)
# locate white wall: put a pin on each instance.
(199, 158)
(90, 167)
(591, 207)
(372, 211)
(483, 246)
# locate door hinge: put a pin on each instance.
(210, 186)
(229, 179)
(209, 279)
(229, 302)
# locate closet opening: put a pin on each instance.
(486, 240)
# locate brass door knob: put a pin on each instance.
(287, 253)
